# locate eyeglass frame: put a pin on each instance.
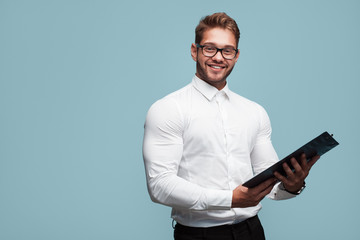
(217, 50)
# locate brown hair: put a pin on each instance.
(221, 20)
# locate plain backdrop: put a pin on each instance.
(76, 81)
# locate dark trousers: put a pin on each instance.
(250, 229)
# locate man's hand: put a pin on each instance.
(293, 181)
(248, 197)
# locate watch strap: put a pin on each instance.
(282, 187)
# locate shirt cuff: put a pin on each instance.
(279, 194)
(219, 199)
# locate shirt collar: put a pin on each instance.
(207, 90)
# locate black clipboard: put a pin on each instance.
(318, 146)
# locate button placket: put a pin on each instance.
(220, 98)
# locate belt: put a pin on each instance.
(249, 223)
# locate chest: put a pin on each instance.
(223, 125)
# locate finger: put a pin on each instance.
(264, 185)
(281, 178)
(313, 161)
(267, 190)
(296, 165)
(303, 161)
(288, 171)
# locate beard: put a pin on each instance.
(205, 76)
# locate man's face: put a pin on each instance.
(214, 70)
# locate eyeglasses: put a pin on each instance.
(210, 51)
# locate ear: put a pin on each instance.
(194, 52)
(237, 55)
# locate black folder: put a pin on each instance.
(318, 146)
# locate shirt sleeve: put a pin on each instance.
(263, 155)
(162, 153)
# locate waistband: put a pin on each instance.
(248, 223)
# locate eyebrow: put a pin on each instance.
(226, 46)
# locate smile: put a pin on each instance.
(216, 67)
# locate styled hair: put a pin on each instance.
(221, 20)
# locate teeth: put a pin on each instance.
(217, 67)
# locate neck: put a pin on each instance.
(217, 84)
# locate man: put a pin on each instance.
(202, 142)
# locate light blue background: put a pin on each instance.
(76, 81)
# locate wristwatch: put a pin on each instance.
(281, 186)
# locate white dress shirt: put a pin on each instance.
(200, 144)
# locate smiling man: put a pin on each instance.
(212, 67)
(202, 142)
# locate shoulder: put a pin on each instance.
(253, 110)
(173, 100)
(169, 109)
(246, 103)
(256, 112)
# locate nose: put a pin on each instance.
(218, 56)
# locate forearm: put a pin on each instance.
(162, 161)
(173, 191)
